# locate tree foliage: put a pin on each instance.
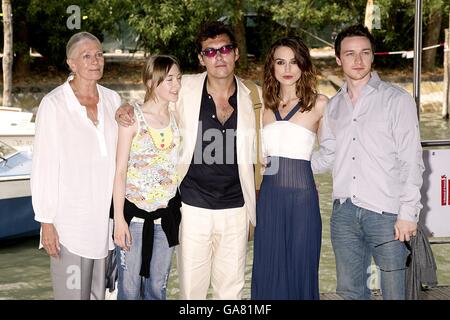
(165, 26)
(48, 29)
(170, 26)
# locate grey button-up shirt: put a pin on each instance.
(374, 149)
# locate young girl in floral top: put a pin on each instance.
(146, 202)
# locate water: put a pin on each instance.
(24, 270)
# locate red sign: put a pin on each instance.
(444, 190)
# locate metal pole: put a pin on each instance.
(417, 54)
(446, 102)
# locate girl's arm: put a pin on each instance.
(122, 235)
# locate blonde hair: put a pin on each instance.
(156, 69)
(73, 42)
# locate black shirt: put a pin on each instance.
(212, 181)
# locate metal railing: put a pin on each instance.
(435, 143)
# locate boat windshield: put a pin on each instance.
(6, 152)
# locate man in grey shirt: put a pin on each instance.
(370, 139)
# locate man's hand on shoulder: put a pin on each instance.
(125, 115)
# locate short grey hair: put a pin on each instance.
(76, 39)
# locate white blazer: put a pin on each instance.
(188, 111)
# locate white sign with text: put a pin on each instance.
(435, 214)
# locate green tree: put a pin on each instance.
(50, 30)
(167, 26)
(21, 42)
(433, 27)
(237, 12)
(305, 17)
(7, 52)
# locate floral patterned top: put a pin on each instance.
(151, 177)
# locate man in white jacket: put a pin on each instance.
(216, 117)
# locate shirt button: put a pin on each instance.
(213, 116)
(354, 119)
(223, 131)
(353, 158)
(209, 97)
(354, 196)
(354, 139)
(354, 177)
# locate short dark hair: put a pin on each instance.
(212, 29)
(357, 30)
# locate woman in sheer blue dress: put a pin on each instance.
(289, 228)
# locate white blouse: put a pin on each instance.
(73, 169)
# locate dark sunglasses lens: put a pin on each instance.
(209, 53)
(226, 49)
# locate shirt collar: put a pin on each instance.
(74, 104)
(232, 100)
(374, 83)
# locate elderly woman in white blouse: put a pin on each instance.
(73, 173)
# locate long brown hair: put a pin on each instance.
(306, 87)
(156, 69)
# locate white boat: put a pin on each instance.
(16, 128)
(16, 210)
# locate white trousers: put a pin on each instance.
(212, 251)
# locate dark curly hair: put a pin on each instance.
(306, 87)
(212, 29)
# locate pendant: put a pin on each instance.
(159, 139)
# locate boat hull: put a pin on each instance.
(16, 210)
(17, 218)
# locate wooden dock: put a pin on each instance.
(436, 293)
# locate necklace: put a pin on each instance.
(285, 103)
(92, 117)
(88, 102)
(162, 139)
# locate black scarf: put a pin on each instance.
(170, 222)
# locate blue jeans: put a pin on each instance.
(357, 235)
(131, 286)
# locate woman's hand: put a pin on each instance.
(125, 115)
(122, 236)
(50, 240)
